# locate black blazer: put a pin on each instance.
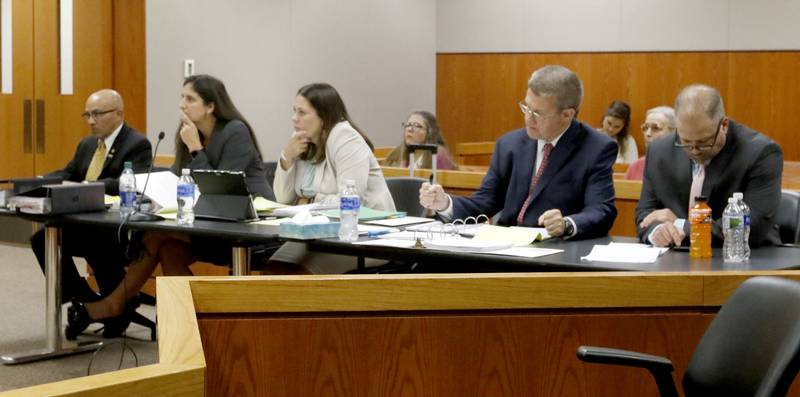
(130, 145)
(578, 181)
(749, 162)
(231, 148)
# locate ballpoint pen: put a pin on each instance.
(377, 233)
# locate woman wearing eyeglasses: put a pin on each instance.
(421, 128)
(659, 120)
(616, 123)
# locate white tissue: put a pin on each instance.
(304, 217)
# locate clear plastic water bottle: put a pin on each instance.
(127, 191)
(733, 230)
(349, 205)
(746, 212)
(186, 198)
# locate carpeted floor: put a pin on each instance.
(22, 324)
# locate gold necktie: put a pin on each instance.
(99, 158)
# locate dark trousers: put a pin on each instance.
(100, 248)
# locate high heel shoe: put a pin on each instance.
(114, 327)
(77, 320)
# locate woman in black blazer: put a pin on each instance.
(212, 135)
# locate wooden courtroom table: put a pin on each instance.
(389, 335)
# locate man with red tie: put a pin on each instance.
(554, 173)
(713, 156)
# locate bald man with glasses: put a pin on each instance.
(713, 156)
(99, 157)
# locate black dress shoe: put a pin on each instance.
(77, 320)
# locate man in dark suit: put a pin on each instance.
(556, 172)
(99, 157)
(713, 156)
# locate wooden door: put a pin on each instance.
(58, 124)
(16, 108)
(39, 126)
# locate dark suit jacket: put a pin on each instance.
(130, 145)
(577, 181)
(231, 148)
(749, 162)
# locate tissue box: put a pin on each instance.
(307, 232)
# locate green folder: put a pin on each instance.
(366, 214)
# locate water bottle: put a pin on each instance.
(349, 205)
(185, 198)
(746, 212)
(733, 231)
(127, 191)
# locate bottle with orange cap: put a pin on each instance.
(700, 233)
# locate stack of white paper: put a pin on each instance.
(624, 253)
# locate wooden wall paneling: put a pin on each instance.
(477, 93)
(763, 93)
(130, 60)
(484, 354)
(14, 161)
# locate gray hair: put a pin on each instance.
(558, 82)
(668, 112)
(700, 98)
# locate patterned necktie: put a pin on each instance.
(548, 147)
(99, 158)
(697, 184)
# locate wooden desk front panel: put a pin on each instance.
(520, 353)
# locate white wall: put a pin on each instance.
(616, 25)
(379, 54)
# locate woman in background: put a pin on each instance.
(659, 121)
(421, 127)
(616, 123)
(212, 135)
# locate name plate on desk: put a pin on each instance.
(61, 199)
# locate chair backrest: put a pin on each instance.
(788, 217)
(752, 347)
(405, 193)
(270, 167)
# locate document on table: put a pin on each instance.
(624, 253)
(263, 205)
(387, 243)
(395, 222)
(517, 236)
(295, 209)
(161, 189)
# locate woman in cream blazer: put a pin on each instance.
(325, 149)
(318, 159)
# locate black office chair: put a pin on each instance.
(405, 193)
(788, 217)
(270, 167)
(751, 348)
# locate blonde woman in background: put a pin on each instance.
(421, 127)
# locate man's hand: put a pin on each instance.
(433, 197)
(666, 235)
(664, 215)
(553, 222)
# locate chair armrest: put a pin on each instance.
(660, 367)
(604, 355)
(789, 245)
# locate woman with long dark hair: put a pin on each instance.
(616, 123)
(212, 135)
(421, 127)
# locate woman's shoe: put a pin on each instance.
(77, 320)
(114, 327)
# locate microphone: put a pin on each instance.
(137, 215)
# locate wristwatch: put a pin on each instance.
(568, 228)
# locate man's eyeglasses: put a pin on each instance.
(706, 145)
(652, 127)
(95, 114)
(413, 126)
(532, 113)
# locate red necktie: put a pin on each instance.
(548, 147)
